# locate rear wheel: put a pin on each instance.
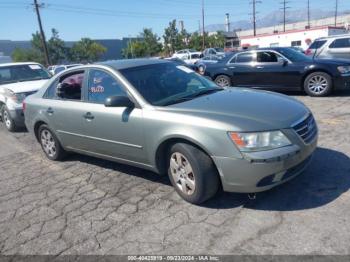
(192, 173)
(318, 84)
(223, 81)
(50, 144)
(7, 119)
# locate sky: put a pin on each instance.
(110, 19)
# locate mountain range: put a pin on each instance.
(274, 18)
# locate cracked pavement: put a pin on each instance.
(90, 206)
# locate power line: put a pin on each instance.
(42, 34)
(284, 8)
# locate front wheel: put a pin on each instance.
(318, 84)
(223, 81)
(7, 119)
(192, 173)
(50, 144)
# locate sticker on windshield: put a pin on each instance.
(35, 67)
(185, 69)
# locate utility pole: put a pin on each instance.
(203, 30)
(254, 3)
(336, 13)
(308, 14)
(42, 34)
(284, 8)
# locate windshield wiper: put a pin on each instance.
(192, 96)
(205, 92)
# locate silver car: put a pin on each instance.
(331, 47)
(160, 116)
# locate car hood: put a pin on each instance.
(245, 109)
(23, 87)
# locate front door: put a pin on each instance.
(115, 132)
(241, 68)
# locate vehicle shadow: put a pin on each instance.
(326, 179)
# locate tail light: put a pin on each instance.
(24, 106)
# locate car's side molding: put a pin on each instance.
(100, 139)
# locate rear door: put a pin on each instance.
(242, 70)
(112, 131)
(65, 112)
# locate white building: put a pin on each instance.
(296, 34)
(298, 38)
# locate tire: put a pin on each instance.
(50, 144)
(8, 121)
(318, 84)
(192, 173)
(223, 81)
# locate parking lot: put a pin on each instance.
(90, 206)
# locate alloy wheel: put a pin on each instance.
(48, 143)
(182, 173)
(7, 119)
(222, 82)
(318, 84)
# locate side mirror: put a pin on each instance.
(283, 61)
(119, 101)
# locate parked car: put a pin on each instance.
(160, 116)
(331, 47)
(281, 69)
(17, 81)
(52, 68)
(210, 59)
(61, 68)
(182, 62)
(214, 51)
(188, 55)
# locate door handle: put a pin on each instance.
(88, 116)
(50, 111)
(259, 67)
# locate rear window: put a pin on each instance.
(340, 43)
(317, 44)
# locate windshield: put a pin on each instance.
(293, 55)
(21, 73)
(219, 50)
(168, 83)
(317, 44)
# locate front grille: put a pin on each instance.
(306, 129)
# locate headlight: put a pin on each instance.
(344, 69)
(259, 141)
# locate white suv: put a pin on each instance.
(17, 81)
(330, 47)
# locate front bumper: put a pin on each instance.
(342, 82)
(261, 171)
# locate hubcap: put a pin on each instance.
(7, 119)
(223, 82)
(182, 173)
(318, 84)
(48, 143)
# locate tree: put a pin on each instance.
(135, 49)
(86, 51)
(216, 40)
(57, 49)
(195, 41)
(173, 40)
(151, 42)
(25, 55)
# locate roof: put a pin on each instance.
(19, 63)
(129, 63)
(334, 36)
